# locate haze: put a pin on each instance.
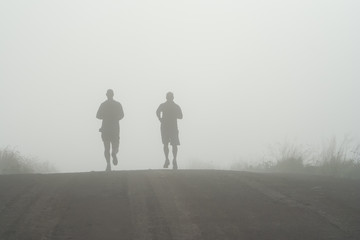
(247, 74)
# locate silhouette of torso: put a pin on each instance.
(111, 113)
(170, 113)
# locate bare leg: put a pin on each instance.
(115, 150)
(107, 154)
(166, 152)
(174, 151)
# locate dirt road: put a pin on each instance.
(184, 204)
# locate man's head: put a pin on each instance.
(110, 94)
(170, 96)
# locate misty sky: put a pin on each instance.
(247, 74)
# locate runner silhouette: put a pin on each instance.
(168, 113)
(110, 112)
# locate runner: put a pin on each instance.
(168, 113)
(110, 112)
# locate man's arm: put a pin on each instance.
(180, 114)
(158, 112)
(121, 112)
(99, 114)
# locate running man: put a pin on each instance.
(168, 113)
(110, 112)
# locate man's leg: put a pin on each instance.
(174, 151)
(107, 154)
(166, 152)
(115, 150)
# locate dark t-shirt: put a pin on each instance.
(171, 112)
(111, 112)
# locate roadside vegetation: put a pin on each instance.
(12, 162)
(332, 159)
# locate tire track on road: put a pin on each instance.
(147, 216)
(36, 213)
(95, 206)
(175, 212)
(9, 199)
(276, 196)
(14, 213)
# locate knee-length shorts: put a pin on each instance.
(170, 136)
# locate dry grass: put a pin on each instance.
(12, 162)
(334, 159)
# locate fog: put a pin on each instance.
(247, 74)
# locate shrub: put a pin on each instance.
(12, 162)
(290, 158)
(340, 160)
(333, 160)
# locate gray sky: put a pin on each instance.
(247, 74)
